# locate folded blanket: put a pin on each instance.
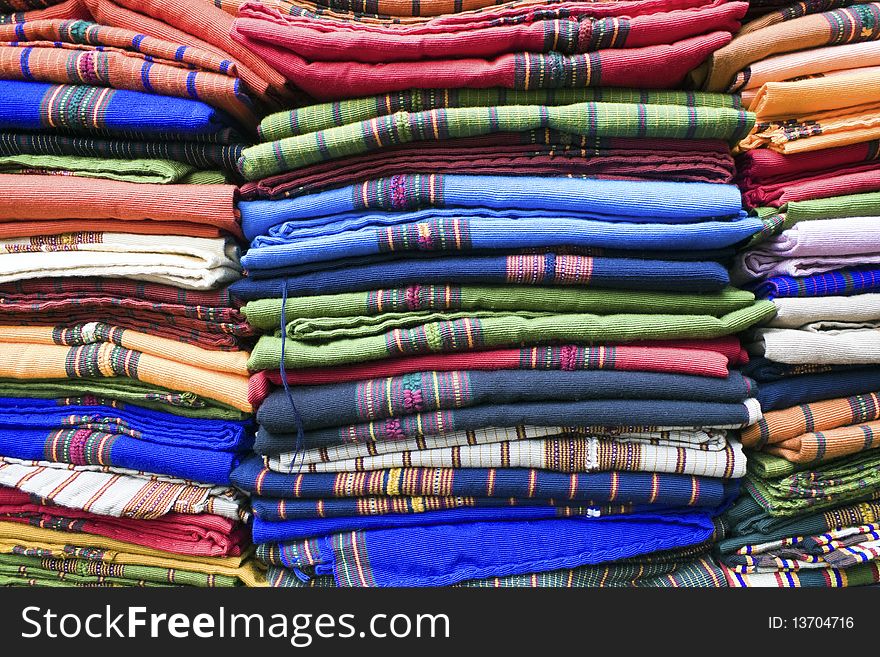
(816, 446)
(554, 454)
(110, 491)
(536, 152)
(765, 167)
(31, 199)
(749, 524)
(24, 541)
(804, 389)
(99, 350)
(765, 371)
(845, 282)
(595, 488)
(268, 34)
(842, 181)
(813, 247)
(162, 172)
(273, 256)
(865, 574)
(196, 154)
(605, 120)
(297, 530)
(788, 31)
(609, 413)
(470, 334)
(823, 343)
(209, 319)
(203, 534)
(195, 263)
(802, 64)
(54, 51)
(119, 392)
(83, 109)
(376, 399)
(707, 440)
(638, 201)
(265, 314)
(517, 547)
(137, 439)
(791, 423)
(805, 132)
(784, 491)
(66, 571)
(315, 118)
(640, 572)
(794, 312)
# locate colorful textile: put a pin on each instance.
(26, 541)
(117, 492)
(202, 534)
(553, 454)
(796, 31)
(701, 572)
(861, 575)
(143, 440)
(139, 171)
(31, 199)
(267, 33)
(200, 155)
(83, 109)
(376, 399)
(207, 319)
(783, 490)
(822, 343)
(813, 386)
(836, 283)
(315, 118)
(532, 153)
(516, 548)
(765, 167)
(685, 202)
(467, 334)
(99, 350)
(195, 263)
(850, 180)
(695, 438)
(784, 425)
(605, 120)
(595, 488)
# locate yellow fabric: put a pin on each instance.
(15, 537)
(782, 100)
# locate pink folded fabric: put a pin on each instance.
(852, 180)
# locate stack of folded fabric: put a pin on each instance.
(809, 170)
(515, 343)
(123, 358)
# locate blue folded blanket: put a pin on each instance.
(83, 109)
(592, 488)
(844, 282)
(136, 439)
(615, 200)
(467, 234)
(273, 439)
(363, 401)
(547, 269)
(796, 390)
(440, 555)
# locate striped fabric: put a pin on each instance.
(861, 575)
(790, 423)
(320, 117)
(837, 283)
(557, 454)
(117, 492)
(605, 120)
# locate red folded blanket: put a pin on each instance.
(198, 535)
(762, 166)
(595, 58)
(685, 160)
(207, 319)
(697, 357)
(850, 180)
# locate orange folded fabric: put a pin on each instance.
(25, 199)
(98, 350)
(822, 446)
(798, 98)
